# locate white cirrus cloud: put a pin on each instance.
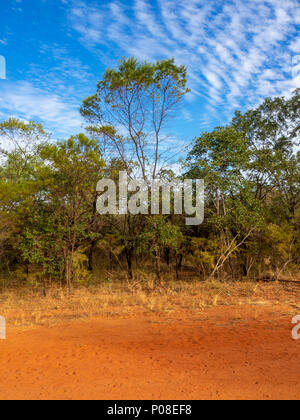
(237, 52)
(29, 102)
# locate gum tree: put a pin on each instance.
(221, 157)
(130, 109)
(18, 162)
(252, 178)
(62, 218)
(128, 114)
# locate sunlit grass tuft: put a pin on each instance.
(23, 307)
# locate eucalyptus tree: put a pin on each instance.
(273, 132)
(252, 177)
(130, 110)
(18, 162)
(128, 114)
(62, 218)
(221, 157)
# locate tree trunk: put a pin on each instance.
(128, 254)
(69, 270)
(167, 256)
(158, 266)
(178, 265)
(44, 286)
(91, 256)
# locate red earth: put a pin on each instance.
(220, 353)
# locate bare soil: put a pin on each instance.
(230, 352)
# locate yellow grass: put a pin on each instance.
(23, 307)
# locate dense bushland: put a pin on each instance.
(50, 231)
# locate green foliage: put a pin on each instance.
(158, 235)
(49, 227)
(131, 105)
(252, 184)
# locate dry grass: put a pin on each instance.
(24, 308)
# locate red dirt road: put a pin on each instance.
(221, 353)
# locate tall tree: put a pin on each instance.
(129, 112)
(18, 162)
(131, 107)
(62, 218)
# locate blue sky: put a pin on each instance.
(237, 53)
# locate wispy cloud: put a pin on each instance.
(25, 101)
(237, 52)
(53, 96)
